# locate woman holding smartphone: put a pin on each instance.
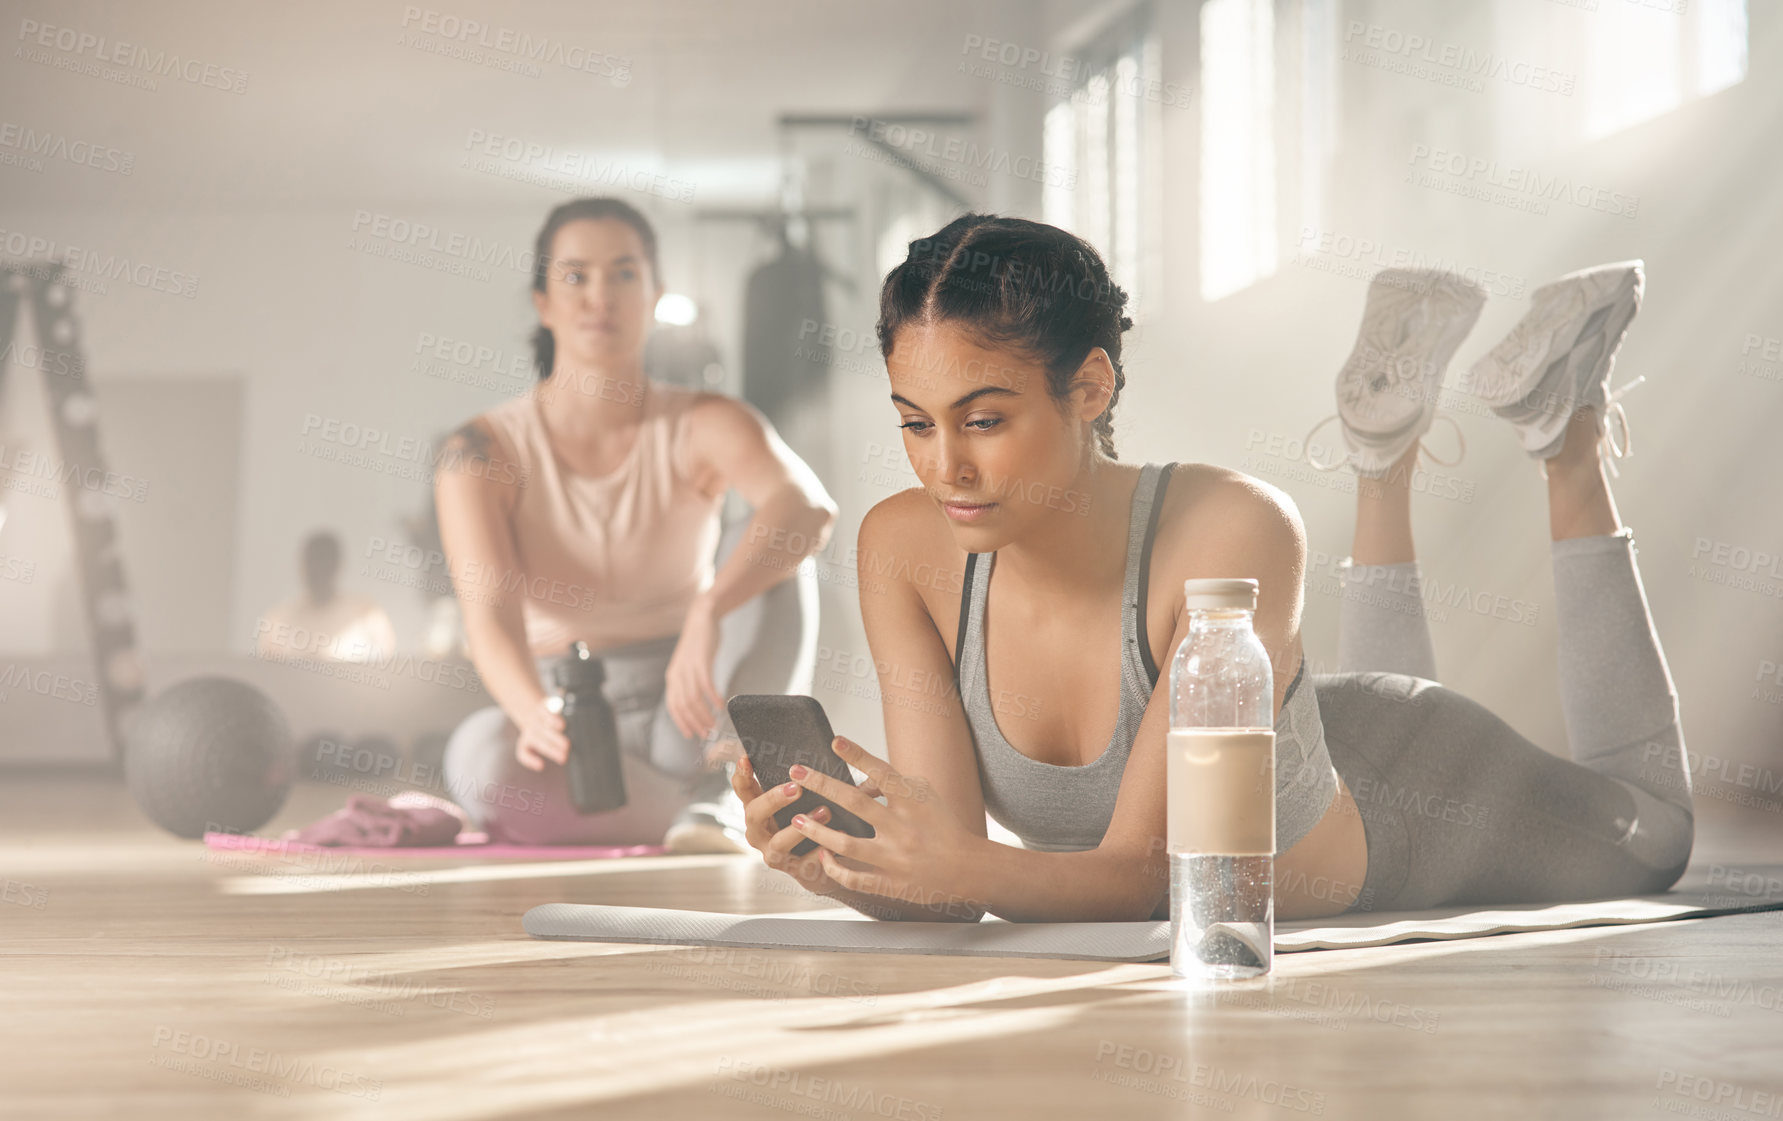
(588, 511)
(1002, 340)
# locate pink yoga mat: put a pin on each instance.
(469, 844)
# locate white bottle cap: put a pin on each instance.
(1220, 591)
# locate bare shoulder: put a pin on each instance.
(904, 540)
(706, 407)
(1214, 515)
(470, 448)
(477, 467)
(715, 429)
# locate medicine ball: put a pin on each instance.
(209, 753)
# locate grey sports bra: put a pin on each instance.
(1064, 808)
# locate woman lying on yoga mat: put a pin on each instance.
(589, 510)
(1002, 340)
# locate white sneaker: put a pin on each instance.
(712, 820)
(1558, 357)
(1387, 391)
(701, 827)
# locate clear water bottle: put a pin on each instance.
(1221, 788)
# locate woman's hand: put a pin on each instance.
(767, 837)
(919, 850)
(541, 738)
(689, 692)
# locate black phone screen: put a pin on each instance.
(778, 731)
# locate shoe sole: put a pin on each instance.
(701, 838)
(1365, 378)
(1514, 371)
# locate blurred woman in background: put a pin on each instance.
(589, 511)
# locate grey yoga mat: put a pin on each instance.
(1728, 891)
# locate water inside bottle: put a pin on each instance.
(1222, 916)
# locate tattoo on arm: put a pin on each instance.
(469, 443)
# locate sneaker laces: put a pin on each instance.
(1306, 446)
(1613, 408)
(1423, 451)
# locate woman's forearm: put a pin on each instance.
(1025, 885)
(920, 906)
(784, 530)
(504, 663)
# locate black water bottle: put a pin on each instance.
(594, 774)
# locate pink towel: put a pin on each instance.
(408, 820)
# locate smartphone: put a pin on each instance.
(778, 731)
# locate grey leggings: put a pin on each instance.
(767, 645)
(1458, 807)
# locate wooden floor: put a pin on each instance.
(143, 978)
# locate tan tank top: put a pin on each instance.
(616, 558)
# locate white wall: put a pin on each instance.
(256, 195)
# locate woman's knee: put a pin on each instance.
(478, 756)
(773, 646)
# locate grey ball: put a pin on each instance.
(210, 753)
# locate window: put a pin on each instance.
(1238, 242)
(1098, 144)
(1649, 59)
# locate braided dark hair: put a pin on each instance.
(1013, 282)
